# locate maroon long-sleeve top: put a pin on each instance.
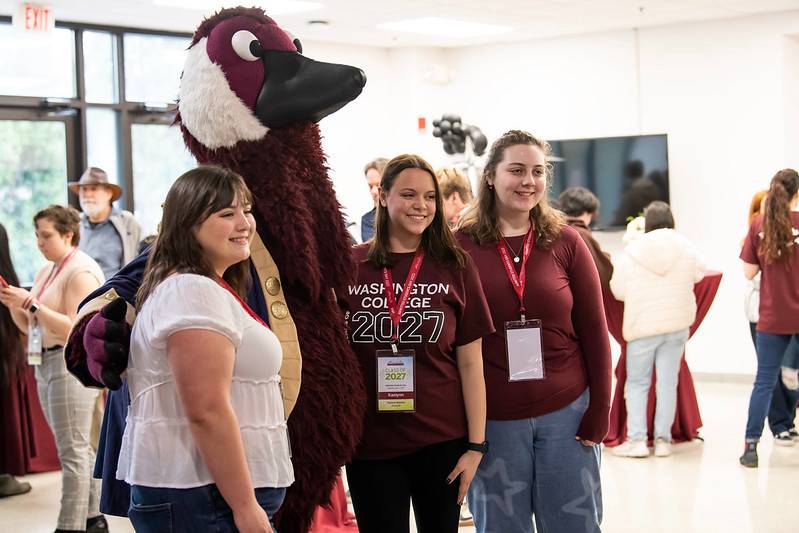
(563, 291)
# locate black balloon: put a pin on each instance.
(479, 140)
(454, 135)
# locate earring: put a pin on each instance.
(490, 186)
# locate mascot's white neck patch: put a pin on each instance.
(209, 108)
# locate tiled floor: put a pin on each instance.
(701, 488)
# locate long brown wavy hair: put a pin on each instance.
(482, 221)
(438, 242)
(11, 353)
(778, 237)
(194, 197)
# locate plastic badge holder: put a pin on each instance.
(523, 346)
(396, 381)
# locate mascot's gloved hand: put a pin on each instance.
(107, 342)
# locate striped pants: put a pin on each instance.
(68, 406)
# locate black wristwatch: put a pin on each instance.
(33, 307)
(481, 447)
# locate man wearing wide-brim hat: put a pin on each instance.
(109, 235)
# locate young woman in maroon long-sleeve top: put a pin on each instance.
(547, 365)
(416, 317)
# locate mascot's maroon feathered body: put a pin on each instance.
(243, 87)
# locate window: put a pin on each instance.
(100, 72)
(47, 143)
(42, 64)
(33, 165)
(153, 64)
(102, 142)
(159, 157)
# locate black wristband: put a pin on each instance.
(478, 447)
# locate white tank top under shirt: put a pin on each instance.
(158, 449)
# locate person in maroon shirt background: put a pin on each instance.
(544, 433)
(770, 248)
(580, 207)
(416, 456)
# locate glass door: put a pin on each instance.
(158, 158)
(36, 156)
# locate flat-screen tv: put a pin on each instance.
(626, 173)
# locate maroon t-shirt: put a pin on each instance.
(562, 291)
(779, 283)
(446, 309)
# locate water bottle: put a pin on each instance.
(34, 342)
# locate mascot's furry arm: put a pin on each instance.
(249, 101)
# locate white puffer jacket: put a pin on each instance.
(655, 279)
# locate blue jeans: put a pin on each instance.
(664, 351)
(535, 467)
(771, 349)
(782, 409)
(164, 510)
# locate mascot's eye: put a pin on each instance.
(295, 41)
(245, 43)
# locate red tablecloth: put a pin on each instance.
(26, 441)
(687, 420)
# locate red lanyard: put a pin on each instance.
(394, 309)
(518, 280)
(246, 307)
(57, 268)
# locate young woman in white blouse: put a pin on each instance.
(205, 447)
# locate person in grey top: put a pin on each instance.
(108, 235)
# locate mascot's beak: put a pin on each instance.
(297, 88)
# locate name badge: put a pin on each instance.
(396, 381)
(34, 342)
(523, 345)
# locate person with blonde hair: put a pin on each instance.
(547, 365)
(456, 193)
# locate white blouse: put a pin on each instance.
(158, 449)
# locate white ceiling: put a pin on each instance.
(355, 21)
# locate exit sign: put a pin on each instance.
(34, 17)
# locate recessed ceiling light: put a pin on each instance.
(272, 7)
(443, 27)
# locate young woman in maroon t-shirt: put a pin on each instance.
(547, 365)
(770, 248)
(416, 316)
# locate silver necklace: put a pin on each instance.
(516, 257)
